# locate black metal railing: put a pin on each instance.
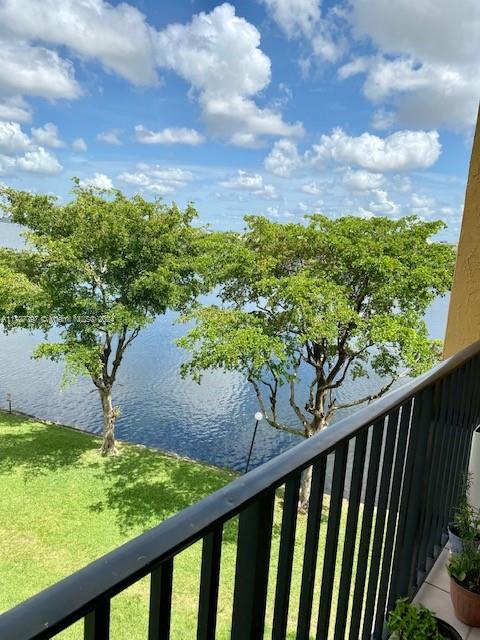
(397, 473)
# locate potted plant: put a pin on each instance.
(464, 570)
(416, 622)
(464, 530)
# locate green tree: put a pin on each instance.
(321, 301)
(99, 268)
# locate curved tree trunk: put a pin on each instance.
(109, 416)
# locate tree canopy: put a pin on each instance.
(100, 268)
(323, 301)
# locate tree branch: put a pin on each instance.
(369, 398)
(293, 403)
(271, 421)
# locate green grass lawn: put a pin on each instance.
(62, 505)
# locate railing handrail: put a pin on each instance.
(59, 605)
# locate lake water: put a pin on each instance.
(212, 422)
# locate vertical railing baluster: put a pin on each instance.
(455, 481)
(366, 529)
(474, 391)
(392, 519)
(209, 580)
(285, 557)
(354, 497)
(331, 543)
(466, 425)
(97, 622)
(428, 478)
(438, 525)
(311, 550)
(251, 574)
(401, 556)
(451, 443)
(380, 514)
(417, 495)
(161, 601)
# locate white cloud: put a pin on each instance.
(402, 184)
(118, 36)
(311, 188)
(12, 138)
(15, 108)
(295, 17)
(110, 137)
(168, 136)
(326, 48)
(430, 80)
(275, 212)
(354, 67)
(242, 121)
(47, 136)
(422, 205)
(6, 163)
(35, 71)
(388, 77)
(219, 54)
(98, 181)
(362, 180)
(157, 179)
(302, 19)
(39, 160)
(414, 27)
(380, 204)
(252, 182)
(17, 151)
(79, 145)
(383, 120)
(421, 201)
(283, 158)
(401, 151)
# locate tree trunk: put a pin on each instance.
(306, 482)
(305, 488)
(109, 415)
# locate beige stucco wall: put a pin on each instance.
(463, 325)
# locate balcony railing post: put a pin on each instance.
(285, 557)
(209, 580)
(331, 542)
(380, 515)
(97, 623)
(418, 497)
(251, 576)
(310, 554)
(366, 529)
(161, 601)
(354, 497)
(393, 507)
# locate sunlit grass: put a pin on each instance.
(62, 505)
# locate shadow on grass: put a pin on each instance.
(140, 487)
(39, 449)
(143, 486)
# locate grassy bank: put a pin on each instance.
(62, 505)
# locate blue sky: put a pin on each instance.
(274, 107)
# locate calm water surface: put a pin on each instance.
(212, 421)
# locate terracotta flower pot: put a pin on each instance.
(466, 604)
